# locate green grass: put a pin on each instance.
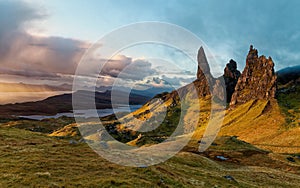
(29, 159)
(164, 130)
(44, 126)
(290, 105)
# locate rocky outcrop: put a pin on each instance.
(203, 67)
(205, 80)
(231, 76)
(258, 80)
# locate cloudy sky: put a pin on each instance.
(42, 41)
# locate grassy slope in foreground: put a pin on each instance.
(33, 159)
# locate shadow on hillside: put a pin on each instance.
(277, 146)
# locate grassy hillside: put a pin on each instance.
(289, 102)
(33, 159)
(261, 123)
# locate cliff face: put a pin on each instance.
(258, 80)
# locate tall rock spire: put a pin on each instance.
(205, 80)
(203, 67)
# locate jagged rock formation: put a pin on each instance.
(258, 80)
(231, 76)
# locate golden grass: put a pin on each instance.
(35, 160)
(258, 122)
(70, 130)
(261, 123)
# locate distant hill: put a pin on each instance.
(150, 92)
(11, 93)
(63, 103)
(288, 74)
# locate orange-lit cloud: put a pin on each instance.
(22, 54)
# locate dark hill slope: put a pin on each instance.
(63, 103)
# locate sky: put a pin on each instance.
(42, 41)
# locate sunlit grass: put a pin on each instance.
(34, 159)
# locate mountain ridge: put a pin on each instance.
(63, 103)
